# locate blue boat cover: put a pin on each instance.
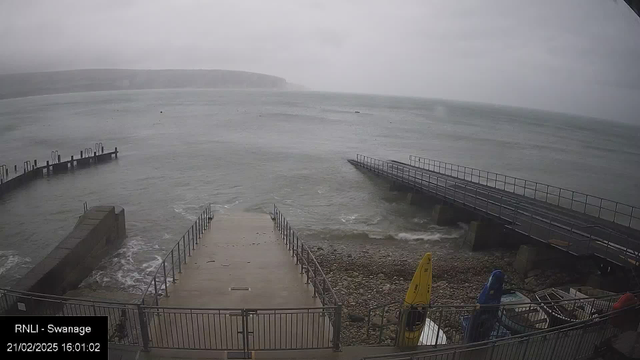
(482, 321)
(492, 291)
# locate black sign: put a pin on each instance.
(46, 337)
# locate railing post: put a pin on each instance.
(297, 251)
(314, 284)
(155, 289)
(180, 257)
(307, 267)
(197, 229)
(173, 268)
(144, 329)
(164, 270)
(337, 327)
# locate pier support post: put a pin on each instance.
(421, 199)
(399, 187)
(530, 257)
(483, 235)
(443, 215)
(526, 258)
(447, 215)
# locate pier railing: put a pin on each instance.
(571, 341)
(563, 232)
(453, 325)
(177, 256)
(311, 269)
(610, 210)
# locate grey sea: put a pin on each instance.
(246, 150)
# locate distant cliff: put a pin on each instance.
(59, 82)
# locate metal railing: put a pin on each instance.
(614, 211)
(559, 230)
(124, 321)
(176, 257)
(311, 269)
(461, 324)
(572, 341)
(241, 329)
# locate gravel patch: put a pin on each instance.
(365, 274)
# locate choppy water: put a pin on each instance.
(245, 150)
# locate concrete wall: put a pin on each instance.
(19, 180)
(97, 232)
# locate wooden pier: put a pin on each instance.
(31, 171)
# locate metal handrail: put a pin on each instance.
(459, 349)
(508, 210)
(58, 298)
(541, 191)
(314, 274)
(550, 302)
(178, 256)
(308, 264)
(446, 316)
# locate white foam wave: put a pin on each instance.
(222, 207)
(348, 219)
(180, 209)
(429, 236)
(9, 259)
(376, 235)
(123, 271)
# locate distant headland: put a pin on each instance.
(73, 81)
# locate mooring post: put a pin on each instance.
(81, 154)
(116, 152)
(72, 161)
(15, 168)
(47, 167)
(101, 149)
(59, 157)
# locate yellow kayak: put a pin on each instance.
(414, 309)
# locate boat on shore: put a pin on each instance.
(431, 334)
(571, 304)
(519, 316)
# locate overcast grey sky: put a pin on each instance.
(578, 56)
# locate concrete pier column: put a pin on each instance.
(422, 199)
(399, 187)
(483, 235)
(526, 259)
(444, 215)
(530, 257)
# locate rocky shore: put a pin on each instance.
(366, 274)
